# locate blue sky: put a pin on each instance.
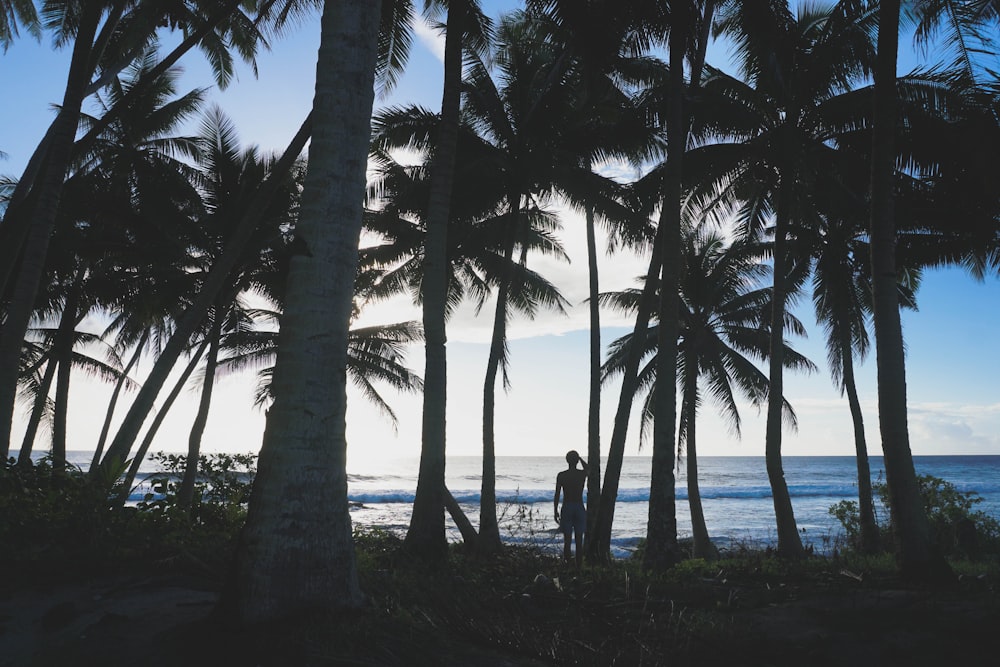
(952, 361)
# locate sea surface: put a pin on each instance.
(735, 492)
(735, 495)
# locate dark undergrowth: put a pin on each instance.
(522, 606)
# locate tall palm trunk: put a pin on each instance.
(185, 494)
(917, 558)
(789, 542)
(115, 393)
(599, 546)
(37, 411)
(866, 505)
(298, 511)
(661, 531)
(426, 535)
(216, 280)
(702, 543)
(36, 246)
(594, 402)
(154, 427)
(63, 356)
(489, 531)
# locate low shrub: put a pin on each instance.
(957, 528)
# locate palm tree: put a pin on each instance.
(800, 73)
(598, 42)
(724, 331)
(465, 25)
(539, 132)
(298, 508)
(14, 12)
(917, 558)
(192, 315)
(482, 242)
(229, 175)
(106, 37)
(375, 355)
(653, 25)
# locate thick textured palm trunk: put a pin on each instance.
(46, 197)
(917, 558)
(296, 552)
(661, 531)
(789, 542)
(866, 504)
(216, 280)
(185, 494)
(426, 534)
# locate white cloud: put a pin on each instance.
(429, 37)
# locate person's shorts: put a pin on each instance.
(573, 518)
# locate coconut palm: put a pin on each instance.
(917, 558)
(375, 355)
(466, 27)
(105, 38)
(298, 507)
(724, 332)
(687, 26)
(14, 12)
(598, 43)
(800, 73)
(134, 163)
(481, 241)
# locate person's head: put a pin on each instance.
(572, 457)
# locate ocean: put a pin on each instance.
(736, 496)
(735, 492)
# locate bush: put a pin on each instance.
(63, 518)
(957, 528)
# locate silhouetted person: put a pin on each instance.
(574, 515)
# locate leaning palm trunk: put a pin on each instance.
(154, 427)
(116, 392)
(298, 512)
(489, 531)
(702, 546)
(661, 531)
(789, 542)
(37, 411)
(12, 235)
(917, 559)
(185, 494)
(426, 534)
(866, 506)
(36, 244)
(217, 278)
